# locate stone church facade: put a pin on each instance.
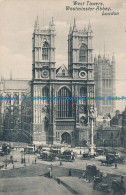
(62, 121)
(52, 118)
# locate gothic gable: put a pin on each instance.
(62, 71)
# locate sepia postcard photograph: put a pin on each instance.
(62, 97)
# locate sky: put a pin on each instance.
(17, 24)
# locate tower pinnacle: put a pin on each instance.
(52, 21)
(74, 25)
(89, 27)
(70, 28)
(37, 22)
(113, 58)
(10, 75)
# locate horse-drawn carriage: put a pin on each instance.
(112, 158)
(91, 172)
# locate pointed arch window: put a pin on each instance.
(83, 53)
(45, 51)
(45, 94)
(64, 105)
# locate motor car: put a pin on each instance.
(47, 155)
(86, 155)
(6, 148)
(29, 150)
(67, 155)
(100, 152)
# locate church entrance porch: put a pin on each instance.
(65, 138)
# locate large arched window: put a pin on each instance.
(45, 51)
(45, 93)
(64, 105)
(83, 53)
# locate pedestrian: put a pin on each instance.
(50, 174)
(58, 181)
(61, 164)
(5, 165)
(69, 172)
(115, 165)
(83, 175)
(35, 160)
(51, 166)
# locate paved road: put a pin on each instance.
(80, 186)
(79, 163)
(30, 181)
(32, 186)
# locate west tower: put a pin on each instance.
(81, 69)
(43, 71)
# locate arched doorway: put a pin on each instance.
(66, 138)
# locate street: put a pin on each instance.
(31, 186)
(33, 173)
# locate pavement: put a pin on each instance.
(33, 182)
(32, 186)
(78, 186)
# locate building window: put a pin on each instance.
(103, 83)
(111, 136)
(83, 53)
(45, 51)
(83, 93)
(64, 105)
(45, 93)
(98, 136)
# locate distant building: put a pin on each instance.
(124, 128)
(11, 108)
(117, 120)
(104, 76)
(103, 121)
(108, 136)
(109, 130)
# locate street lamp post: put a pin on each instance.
(92, 116)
